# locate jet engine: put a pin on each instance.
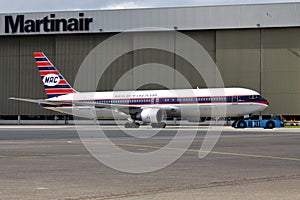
(151, 115)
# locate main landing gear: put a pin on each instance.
(159, 125)
(132, 125)
(137, 125)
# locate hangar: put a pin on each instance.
(255, 46)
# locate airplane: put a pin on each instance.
(146, 106)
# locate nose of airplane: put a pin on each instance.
(266, 102)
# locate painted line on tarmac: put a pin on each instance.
(154, 147)
(214, 152)
(36, 126)
(44, 155)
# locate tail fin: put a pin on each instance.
(55, 84)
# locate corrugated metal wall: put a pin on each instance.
(266, 60)
(281, 69)
(238, 57)
(10, 74)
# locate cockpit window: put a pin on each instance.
(254, 96)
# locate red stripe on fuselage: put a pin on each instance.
(59, 91)
(260, 102)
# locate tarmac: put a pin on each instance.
(51, 162)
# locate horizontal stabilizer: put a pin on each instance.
(38, 101)
(26, 100)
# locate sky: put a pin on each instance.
(15, 6)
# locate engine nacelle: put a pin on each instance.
(152, 115)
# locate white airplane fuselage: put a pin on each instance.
(188, 104)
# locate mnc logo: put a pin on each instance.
(51, 79)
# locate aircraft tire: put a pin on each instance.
(158, 125)
(136, 125)
(132, 125)
(127, 125)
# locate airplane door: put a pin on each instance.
(152, 100)
(235, 100)
(157, 101)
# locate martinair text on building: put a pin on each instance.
(20, 24)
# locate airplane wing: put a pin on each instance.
(117, 107)
(75, 103)
(122, 109)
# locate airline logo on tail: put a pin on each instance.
(51, 79)
(54, 83)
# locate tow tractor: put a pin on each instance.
(276, 121)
